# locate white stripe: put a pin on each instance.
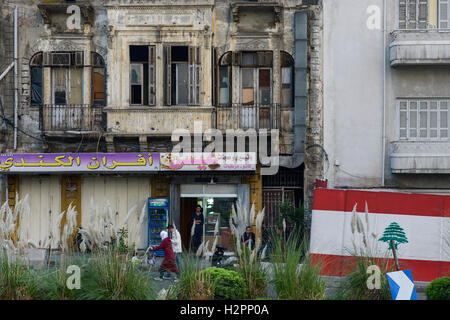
(331, 234)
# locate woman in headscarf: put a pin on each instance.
(168, 265)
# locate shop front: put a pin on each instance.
(118, 182)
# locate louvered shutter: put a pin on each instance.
(402, 14)
(151, 76)
(167, 75)
(423, 14)
(443, 14)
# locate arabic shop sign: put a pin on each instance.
(125, 162)
(79, 162)
(204, 161)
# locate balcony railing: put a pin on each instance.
(82, 117)
(239, 116)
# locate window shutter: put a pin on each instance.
(411, 14)
(167, 75)
(443, 14)
(402, 14)
(151, 76)
(423, 14)
(194, 75)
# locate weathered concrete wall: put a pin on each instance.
(315, 156)
(7, 84)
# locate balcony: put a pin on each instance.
(420, 47)
(59, 119)
(420, 157)
(238, 116)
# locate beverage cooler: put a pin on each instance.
(158, 217)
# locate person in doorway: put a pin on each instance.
(168, 265)
(175, 237)
(247, 237)
(197, 224)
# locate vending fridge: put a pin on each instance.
(158, 217)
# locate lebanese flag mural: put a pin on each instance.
(349, 221)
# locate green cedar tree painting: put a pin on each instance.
(394, 232)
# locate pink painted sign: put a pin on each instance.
(202, 161)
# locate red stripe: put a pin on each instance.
(382, 202)
(422, 270)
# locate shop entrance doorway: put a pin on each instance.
(186, 210)
(214, 209)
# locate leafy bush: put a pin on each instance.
(228, 284)
(438, 289)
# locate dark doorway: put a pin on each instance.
(187, 207)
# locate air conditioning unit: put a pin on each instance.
(60, 59)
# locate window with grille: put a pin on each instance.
(424, 119)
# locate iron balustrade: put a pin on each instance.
(80, 117)
(239, 116)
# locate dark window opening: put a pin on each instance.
(180, 53)
(36, 86)
(142, 75)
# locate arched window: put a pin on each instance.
(287, 80)
(98, 80)
(36, 79)
(224, 81)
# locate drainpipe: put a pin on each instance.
(383, 137)
(16, 87)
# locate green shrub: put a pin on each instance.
(438, 289)
(228, 284)
(18, 281)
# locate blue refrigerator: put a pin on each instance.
(158, 218)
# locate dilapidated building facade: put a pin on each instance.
(120, 76)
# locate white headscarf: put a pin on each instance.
(163, 234)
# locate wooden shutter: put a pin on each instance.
(194, 60)
(167, 75)
(151, 76)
